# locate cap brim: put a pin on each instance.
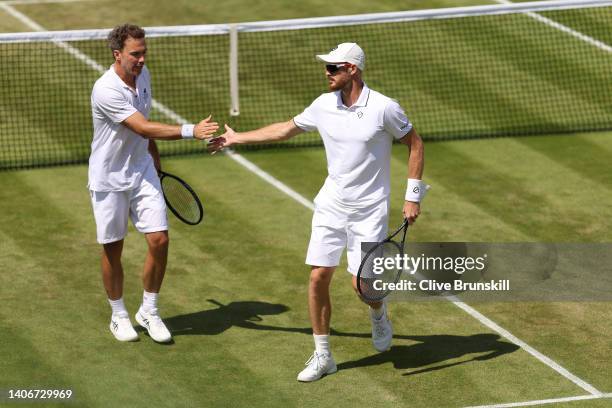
(327, 58)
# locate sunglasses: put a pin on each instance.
(333, 68)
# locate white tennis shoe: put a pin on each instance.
(317, 366)
(382, 331)
(121, 327)
(151, 321)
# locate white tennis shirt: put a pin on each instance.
(119, 157)
(357, 143)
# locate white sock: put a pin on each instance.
(118, 307)
(377, 313)
(321, 343)
(149, 300)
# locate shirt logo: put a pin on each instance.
(359, 114)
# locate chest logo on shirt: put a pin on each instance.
(360, 114)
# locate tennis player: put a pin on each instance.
(123, 181)
(358, 126)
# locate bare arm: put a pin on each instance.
(416, 158)
(271, 133)
(155, 130)
(416, 163)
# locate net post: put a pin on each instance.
(233, 74)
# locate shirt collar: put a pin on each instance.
(119, 80)
(361, 101)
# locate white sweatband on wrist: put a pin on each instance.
(187, 131)
(415, 191)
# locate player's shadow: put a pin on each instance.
(436, 349)
(216, 321)
(428, 350)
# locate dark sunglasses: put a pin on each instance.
(333, 68)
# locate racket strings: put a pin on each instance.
(181, 200)
(378, 268)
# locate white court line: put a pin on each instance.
(590, 40)
(302, 200)
(270, 179)
(544, 402)
(544, 359)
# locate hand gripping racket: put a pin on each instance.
(374, 275)
(181, 199)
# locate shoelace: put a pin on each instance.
(122, 315)
(379, 328)
(154, 318)
(314, 359)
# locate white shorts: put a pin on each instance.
(145, 205)
(335, 228)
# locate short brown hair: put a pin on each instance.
(116, 38)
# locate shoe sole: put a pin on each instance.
(141, 322)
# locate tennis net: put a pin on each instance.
(501, 70)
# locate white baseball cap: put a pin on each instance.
(345, 52)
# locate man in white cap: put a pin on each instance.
(358, 126)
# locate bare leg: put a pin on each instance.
(373, 305)
(155, 262)
(319, 302)
(112, 270)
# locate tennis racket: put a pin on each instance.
(372, 277)
(181, 199)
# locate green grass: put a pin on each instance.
(161, 13)
(235, 291)
(248, 255)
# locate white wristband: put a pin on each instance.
(415, 191)
(187, 131)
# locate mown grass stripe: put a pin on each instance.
(578, 153)
(553, 176)
(499, 194)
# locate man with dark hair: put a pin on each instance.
(117, 37)
(123, 181)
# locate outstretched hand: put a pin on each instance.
(205, 129)
(220, 142)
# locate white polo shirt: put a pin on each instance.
(357, 143)
(119, 157)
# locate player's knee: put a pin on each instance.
(159, 241)
(321, 276)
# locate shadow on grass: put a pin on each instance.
(436, 349)
(427, 350)
(216, 321)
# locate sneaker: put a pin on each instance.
(151, 321)
(122, 328)
(317, 366)
(382, 332)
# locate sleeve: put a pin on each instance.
(306, 119)
(112, 104)
(395, 120)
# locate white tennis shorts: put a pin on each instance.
(145, 205)
(335, 227)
